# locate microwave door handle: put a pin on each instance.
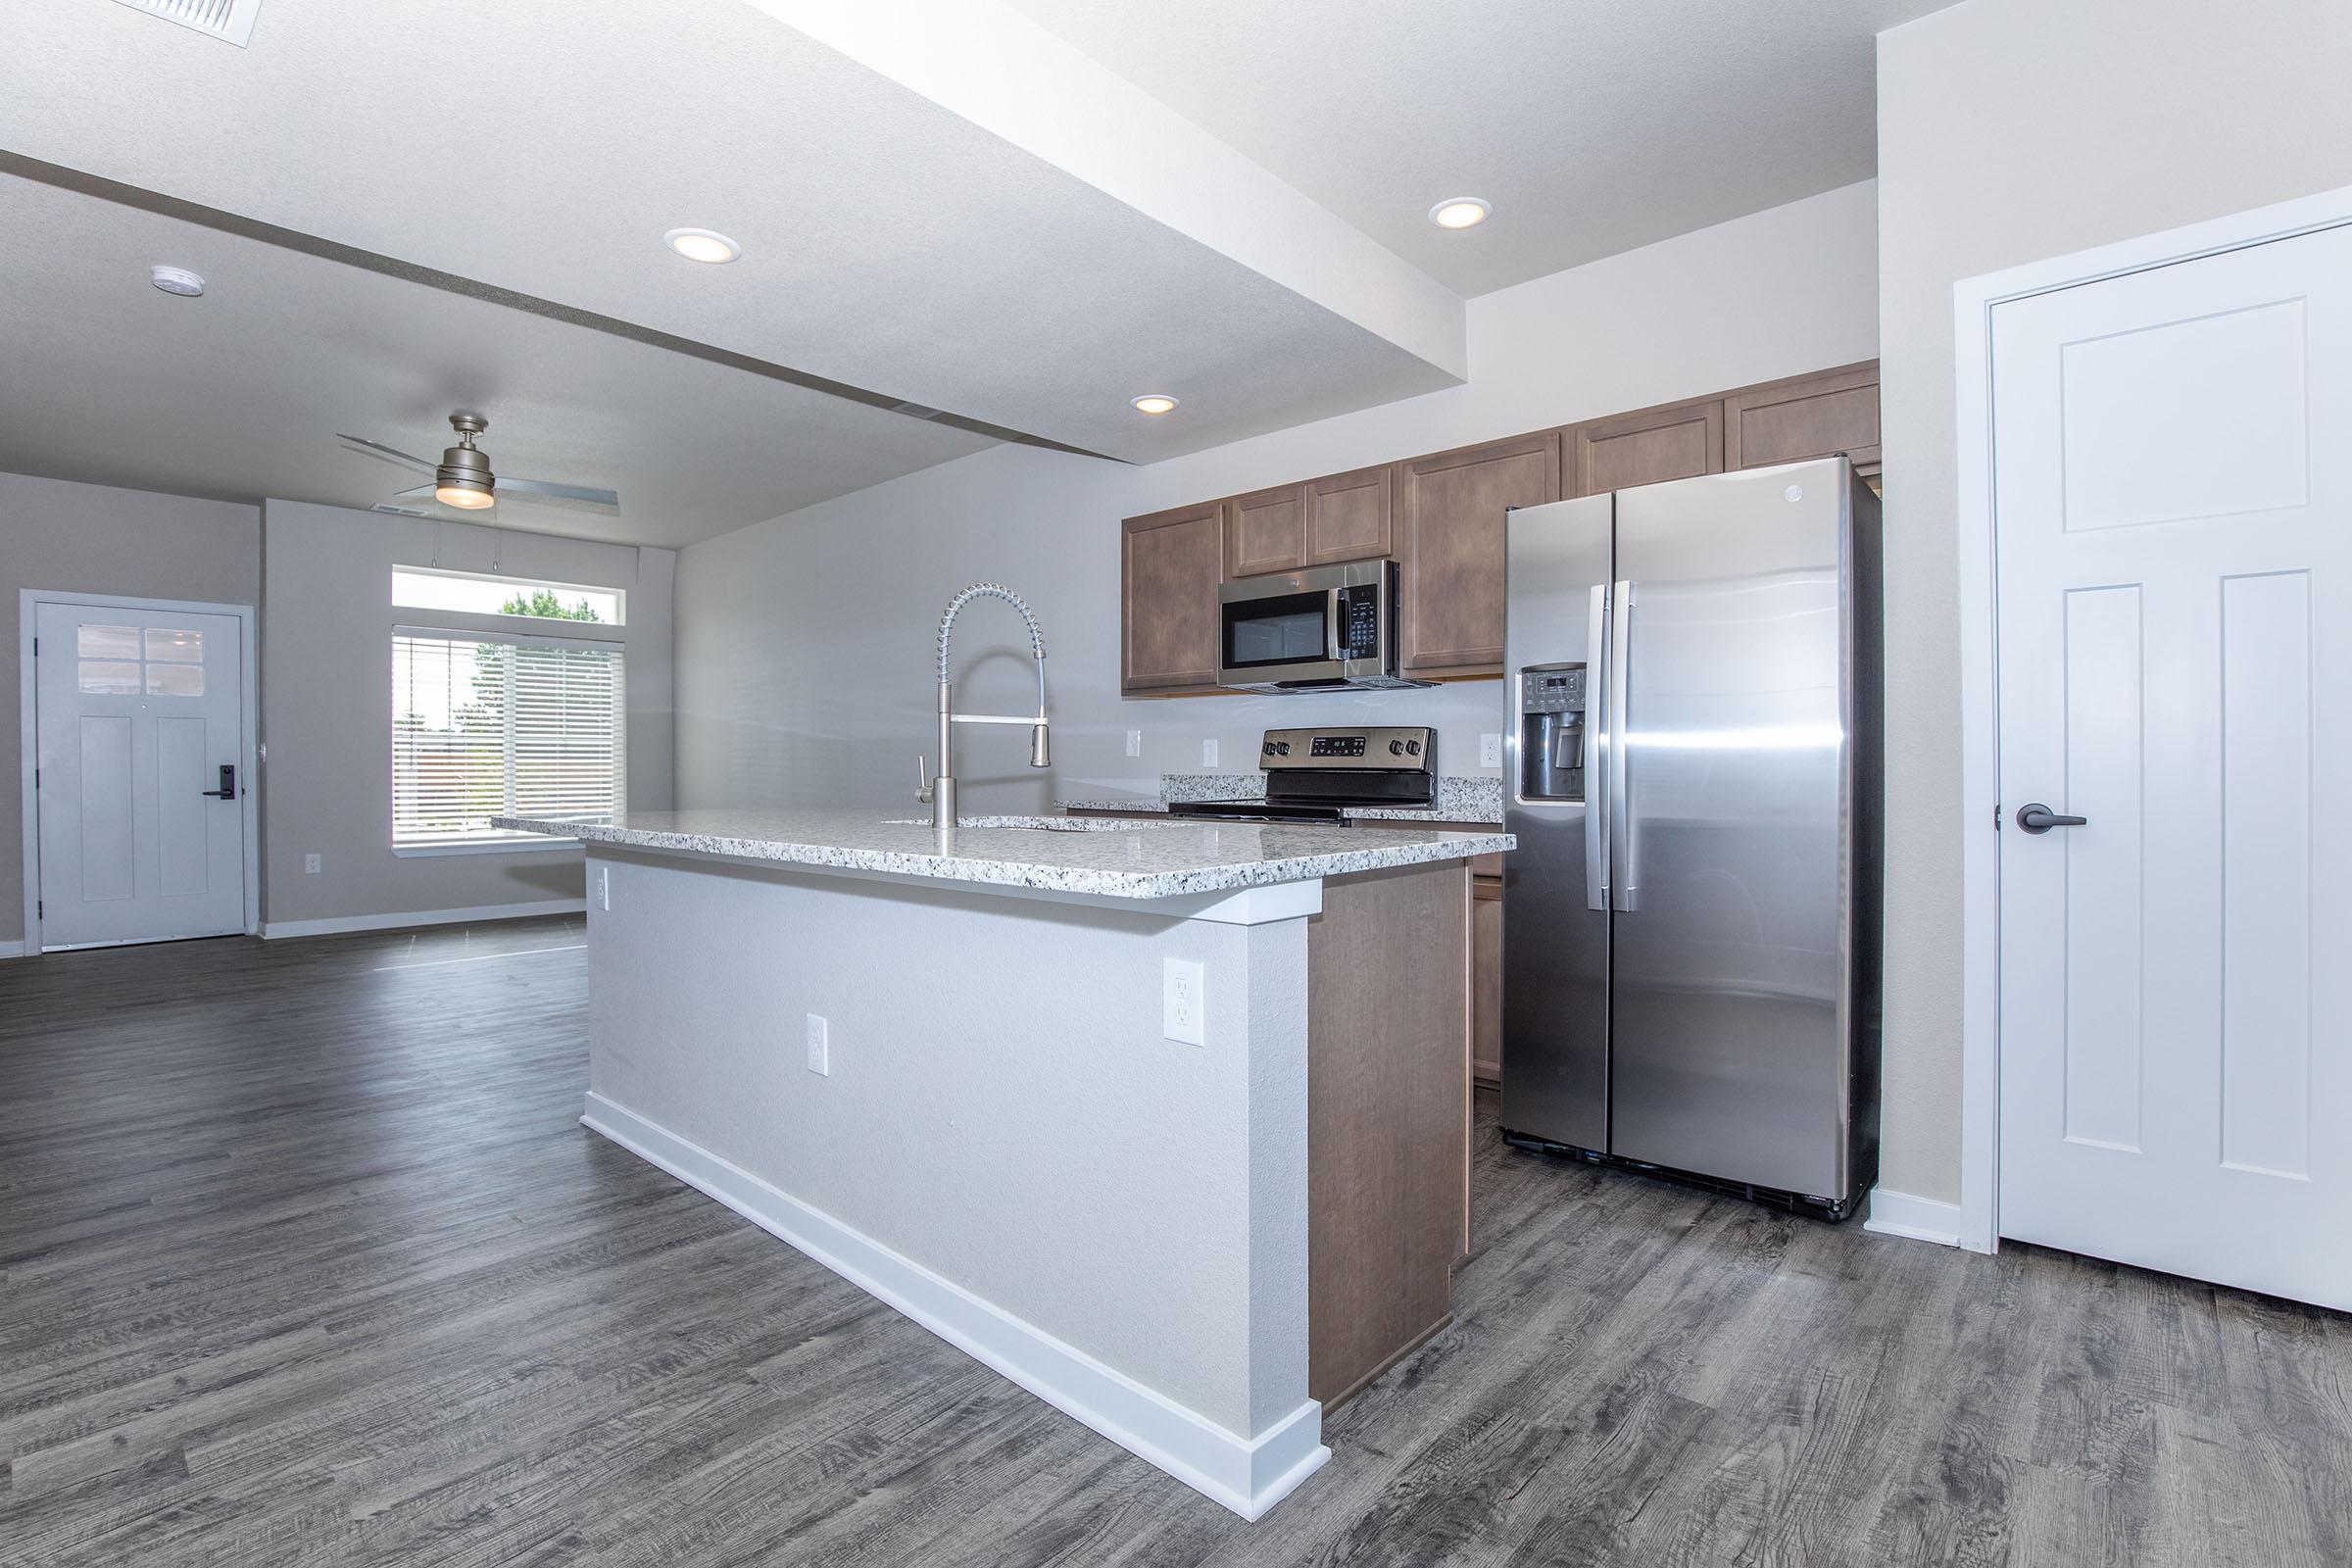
(1599, 746)
(1625, 838)
(1335, 612)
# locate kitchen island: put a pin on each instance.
(1165, 1122)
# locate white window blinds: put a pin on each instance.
(483, 726)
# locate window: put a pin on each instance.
(424, 588)
(487, 725)
(108, 663)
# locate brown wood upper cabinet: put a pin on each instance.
(1450, 511)
(1805, 416)
(1170, 564)
(1266, 531)
(1646, 448)
(1344, 517)
(1348, 517)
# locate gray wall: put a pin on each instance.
(327, 706)
(806, 642)
(86, 538)
(2011, 131)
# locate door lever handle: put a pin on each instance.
(228, 784)
(2035, 817)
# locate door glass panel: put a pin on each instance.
(183, 647)
(108, 679)
(175, 680)
(105, 642)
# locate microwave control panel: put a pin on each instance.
(1359, 620)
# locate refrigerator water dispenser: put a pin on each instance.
(1551, 732)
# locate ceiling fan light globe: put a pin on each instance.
(467, 497)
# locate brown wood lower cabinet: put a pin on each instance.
(1486, 979)
(1387, 1119)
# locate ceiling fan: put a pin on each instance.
(463, 478)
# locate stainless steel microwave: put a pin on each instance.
(1325, 628)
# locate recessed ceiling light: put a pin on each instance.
(702, 245)
(1459, 211)
(1154, 403)
(176, 280)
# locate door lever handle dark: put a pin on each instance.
(2035, 817)
(228, 784)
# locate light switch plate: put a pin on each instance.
(1490, 751)
(1180, 1000)
(1208, 754)
(1135, 743)
(820, 1047)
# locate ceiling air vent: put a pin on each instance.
(230, 20)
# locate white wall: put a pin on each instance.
(88, 538)
(2010, 131)
(326, 632)
(805, 644)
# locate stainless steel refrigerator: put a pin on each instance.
(1690, 921)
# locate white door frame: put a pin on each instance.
(1973, 302)
(29, 741)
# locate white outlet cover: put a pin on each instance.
(820, 1047)
(310, 865)
(1135, 743)
(1208, 754)
(1490, 751)
(604, 887)
(1182, 1000)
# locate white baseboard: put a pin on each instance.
(12, 950)
(1923, 1219)
(337, 926)
(1248, 1475)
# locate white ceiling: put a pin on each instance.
(1021, 214)
(889, 242)
(1593, 127)
(240, 394)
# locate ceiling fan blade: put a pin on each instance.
(578, 495)
(419, 490)
(389, 452)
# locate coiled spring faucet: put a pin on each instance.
(939, 791)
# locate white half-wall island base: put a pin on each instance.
(948, 1069)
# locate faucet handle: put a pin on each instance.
(923, 779)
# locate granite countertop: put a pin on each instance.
(1050, 853)
(1470, 798)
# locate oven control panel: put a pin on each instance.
(1390, 748)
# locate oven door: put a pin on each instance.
(1324, 627)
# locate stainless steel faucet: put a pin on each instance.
(939, 791)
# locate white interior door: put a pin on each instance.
(2174, 503)
(136, 712)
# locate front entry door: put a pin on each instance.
(2174, 506)
(138, 712)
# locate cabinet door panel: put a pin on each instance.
(1648, 448)
(1266, 531)
(1348, 517)
(1169, 569)
(1450, 511)
(1806, 416)
(1485, 980)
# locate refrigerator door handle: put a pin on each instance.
(1625, 872)
(1598, 745)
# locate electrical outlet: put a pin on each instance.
(604, 887)
(1208, 754)
(1135, 743)
(1490, 751)
(310, 866)
(820, 1047)
(1180, 1000)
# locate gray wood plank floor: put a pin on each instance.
(304, 1258)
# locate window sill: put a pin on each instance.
(529, 846)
